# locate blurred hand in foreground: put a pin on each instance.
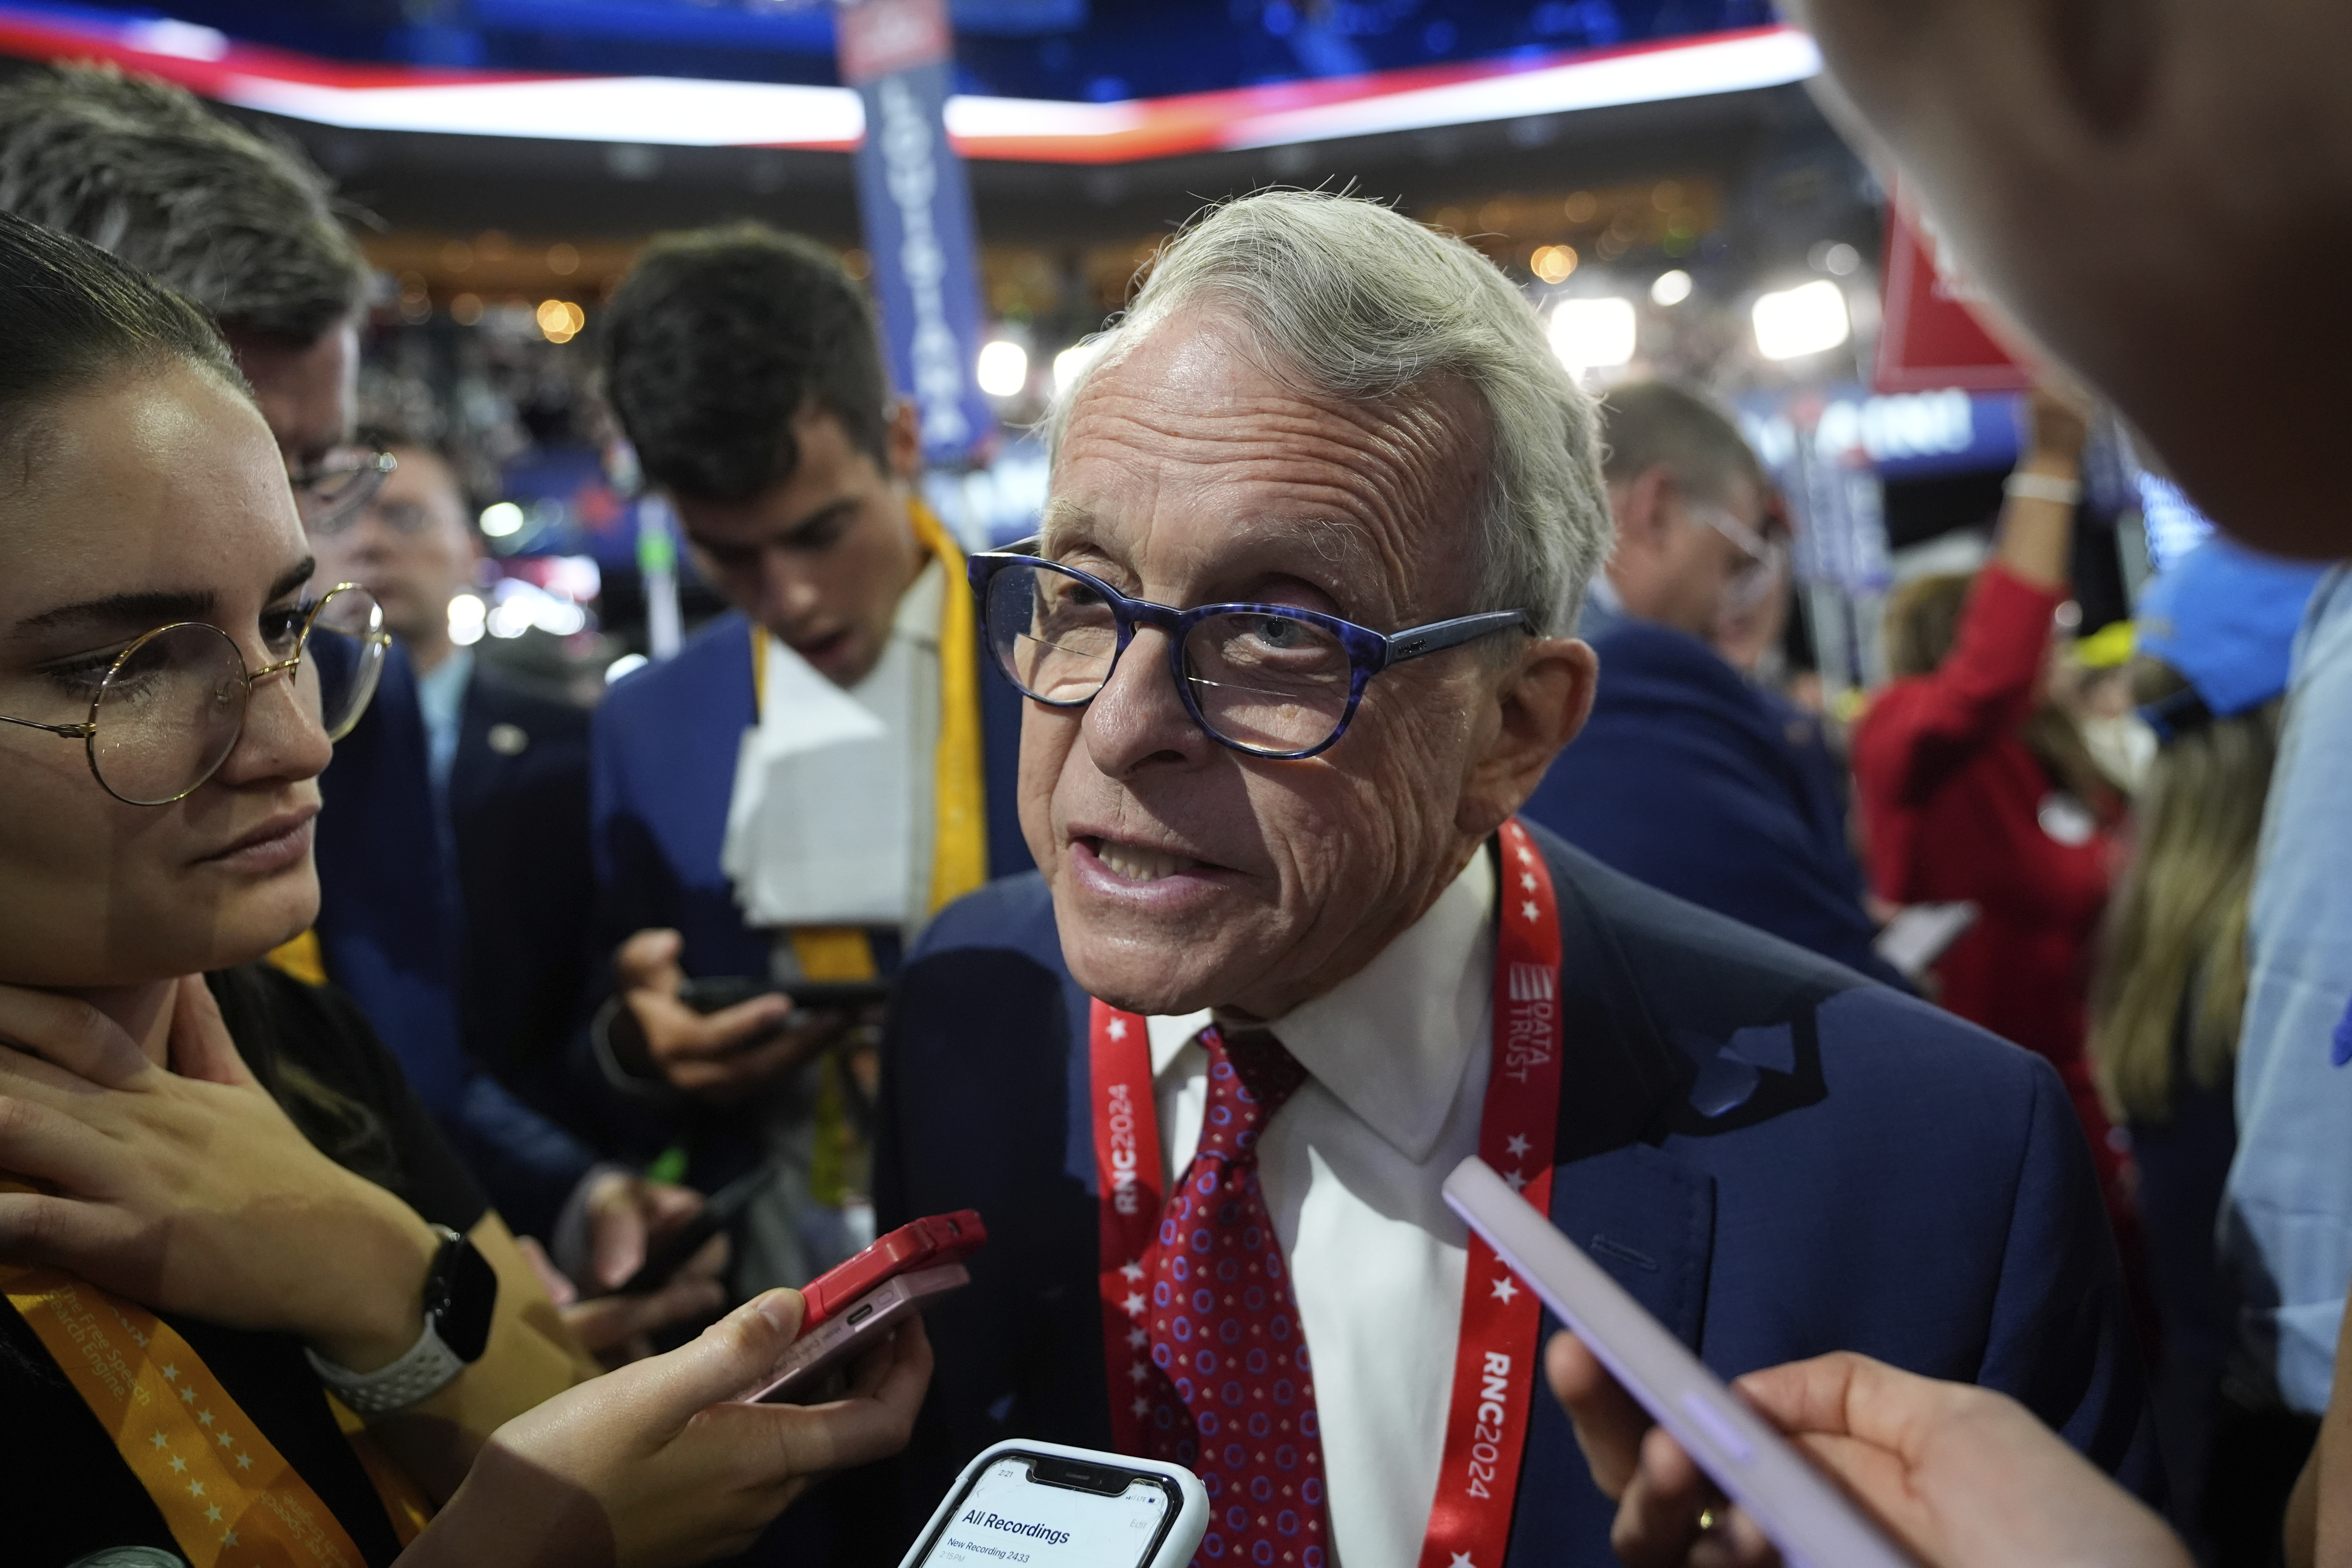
(1961, 1476)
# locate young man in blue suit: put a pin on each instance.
(1296, 634)
(815, 773)
(1689, 777)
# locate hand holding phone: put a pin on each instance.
(859, 1303)
(1798, 1508)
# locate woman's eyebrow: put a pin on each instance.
(140, 611)
(143, 611)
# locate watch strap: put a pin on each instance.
(428, 1367)
(432, 1364)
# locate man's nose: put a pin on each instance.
(1138, 718)
(788, 593)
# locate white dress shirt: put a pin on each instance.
(1397, 1057)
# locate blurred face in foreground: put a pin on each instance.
(157, 496)
(2161, 193)
(1185, 874)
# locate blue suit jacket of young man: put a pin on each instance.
(1693, 780)
(1776, 1157)
(662, 772)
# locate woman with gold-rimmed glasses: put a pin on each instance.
(219, 1201)
(163, 714)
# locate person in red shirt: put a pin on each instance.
(1974, 786)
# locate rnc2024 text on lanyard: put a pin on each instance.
(1494, 1364)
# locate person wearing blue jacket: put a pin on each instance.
(1689, 776)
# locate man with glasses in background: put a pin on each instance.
(252, 233)
(1690, 777)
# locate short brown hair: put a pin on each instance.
(243, 226)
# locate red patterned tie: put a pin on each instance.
(1233, 1401)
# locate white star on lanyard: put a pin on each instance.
(1518, 1145)
(1134, 1271)
(1527, 856)
(213, 1514)
(1527, 910)
(1142, 1408)
(159, 1441)
(1136, 1373)
(1516, 1180)
(1504, 1291)
(1461, 1560)
(1527, 880)
(1134, 1303)
(1117, 1029)
(229, 1539)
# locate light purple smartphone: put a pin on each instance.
(866, 1323)
(1801, 1511)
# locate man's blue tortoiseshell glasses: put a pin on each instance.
(1272, 680)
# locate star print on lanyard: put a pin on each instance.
(1234, 1400)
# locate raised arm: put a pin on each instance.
(1927, 726)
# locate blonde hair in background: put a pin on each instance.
(2174, 959)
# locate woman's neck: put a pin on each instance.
(142, 1011)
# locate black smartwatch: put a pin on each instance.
(461, 1296)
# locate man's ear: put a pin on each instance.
(902, 440)
(1543, 701)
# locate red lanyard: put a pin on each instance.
(1495, 1361)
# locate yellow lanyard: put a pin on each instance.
(228, 1496)
(960, 833)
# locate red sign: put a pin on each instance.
(1930, 338)
(876, 38)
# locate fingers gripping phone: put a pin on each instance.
(856, 1306)
(1803, 1511)
(1046, 1505)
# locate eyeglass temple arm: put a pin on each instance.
(1439, 636)
(70, 731)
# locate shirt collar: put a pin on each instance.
(1391, 1042)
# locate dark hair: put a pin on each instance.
(243, 226)
(1649, 423)
(346, 1129)
(718, 339)
(71, 315)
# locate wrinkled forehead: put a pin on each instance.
(1195, 439)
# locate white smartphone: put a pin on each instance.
(1054, 1506)
(1813, 1523)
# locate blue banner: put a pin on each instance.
(915, 204)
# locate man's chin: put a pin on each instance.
(1155, 979)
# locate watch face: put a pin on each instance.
(468, 1292)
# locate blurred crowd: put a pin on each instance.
(1993, 1027)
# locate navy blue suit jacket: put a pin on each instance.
(387, 930)
(663, 771)
(1690, 779)
(1776, 1157)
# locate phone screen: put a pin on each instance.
(1008, 1517)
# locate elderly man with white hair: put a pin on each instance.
(1293, 637)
